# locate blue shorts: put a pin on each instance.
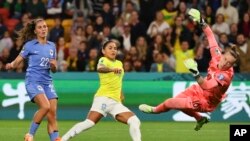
(35, 88)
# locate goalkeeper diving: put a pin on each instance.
(210, 90)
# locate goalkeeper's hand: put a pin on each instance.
(195, 15)
(191, 64)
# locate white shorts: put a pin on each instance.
(105, 105)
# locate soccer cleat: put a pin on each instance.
(200, 123)
(146, 108)
(28, 137)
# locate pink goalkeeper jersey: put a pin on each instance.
(224, 78)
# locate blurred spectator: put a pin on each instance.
(99, 23)
(54, 8)
(116, 8)
(220, 25)
(3, 28)
(92, 61)
(17, 9)
(138, 66)
(229, 12)
(135, 3)
(68, 9)
(141, 46)
(104, 35)
(24, 20)
(82, 52)
(209, 15)
(169, 12)
(125, 40)
(195, 4)
(78, 20)
(157, 46)
(62, 51)
(127, 11)
(106, 13)
(158, 26)
(202, 55)
(73, 62)
(6, 41)
(159, 64)
(117, 30)
(180, 32)
(223, 41)
(127, 65)
(148, 9)
(95, 7)
(243, 7)
(78, 36)
(36, 8)
(56, 31)
(4, 56)
(233, 33)
(244, 25)
(15, 50)
(182, 54)
(138, 28)
(92, 41)
(244, 51)
(63, 66)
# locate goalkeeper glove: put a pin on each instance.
(191, 64)
(195, 15)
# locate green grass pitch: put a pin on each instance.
(13, 130)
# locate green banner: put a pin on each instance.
(75, 97)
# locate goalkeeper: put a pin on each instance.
(210, 90)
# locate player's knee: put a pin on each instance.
(134, 120)
(45, 108)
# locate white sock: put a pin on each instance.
(134, 128)
(78, 128)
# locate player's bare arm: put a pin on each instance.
(103, 69)
(14, 63)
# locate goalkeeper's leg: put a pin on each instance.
(200, 119)
(173, 103)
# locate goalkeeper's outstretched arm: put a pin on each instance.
(195, 15)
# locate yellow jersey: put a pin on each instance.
(110, 83)
(180, 56)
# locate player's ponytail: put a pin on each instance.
(27, 33)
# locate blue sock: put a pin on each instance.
(34, 126)
(53, 135)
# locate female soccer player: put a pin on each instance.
(210, 90)
(108, 98)
(41, 56)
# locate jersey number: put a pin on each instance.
(44, 62)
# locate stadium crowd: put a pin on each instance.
(154, 35)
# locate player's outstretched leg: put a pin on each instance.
(200, 123)
(28, 137)
(146, 108)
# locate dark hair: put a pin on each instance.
(105, 43)
(27, 32)
(234, 52)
